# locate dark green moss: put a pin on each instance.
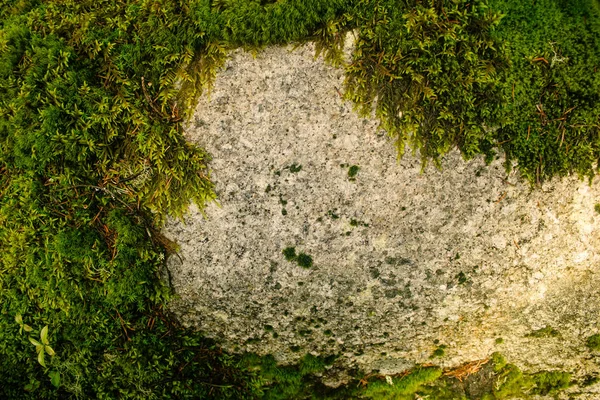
(462, 278)
(289, 253)
(440, 351)
(353, 171)
(499, 340)
(294, 168)
(304, 260)
(597, 208)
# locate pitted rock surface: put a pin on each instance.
(403, 260)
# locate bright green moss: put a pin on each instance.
(93, 97)
(403, 387)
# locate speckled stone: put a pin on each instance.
(403, 260)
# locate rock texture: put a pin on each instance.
(403, 261)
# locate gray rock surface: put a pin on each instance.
(402, 260)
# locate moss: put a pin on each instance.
(355, 223)
(310, 364)
(589, 380)
(593, 342)
(546, 332)
(499, 340)
(268, 328)
(550, 382)
(597, 208)
(511, 382)
(289, 253)
(462, 278)
(304, 260)
(402, 387)
(353, 171)
(498, 361)
(440, 351)
(294, 168)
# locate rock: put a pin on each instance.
(402, 261)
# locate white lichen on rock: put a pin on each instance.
(402, 260)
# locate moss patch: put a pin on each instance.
(593, 342)
(546, 332)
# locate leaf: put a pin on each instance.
(41, 358)
(35, 342)
(54, 378)
(49, 350)
(27, 328)
(19, 319)
(44, 335)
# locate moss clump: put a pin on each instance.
(295, 168)
(304, 260)
(440, 351)
(353, 171)
(550, 382)
(597, 208)
(593, 342)
(289, 253)
(402, 387)
(546, 332)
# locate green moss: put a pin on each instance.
(440, 351)
(498, 361)
(402, 387)
(511, 382)
(94, 95)
(289, 253)
(546, 332)
(550, 382)
(593, 342)
(294, 168)
(304, 260)
(461, 277)
(353, 171)
(499, 340)
(590, 380)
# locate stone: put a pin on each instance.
(402, 259)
